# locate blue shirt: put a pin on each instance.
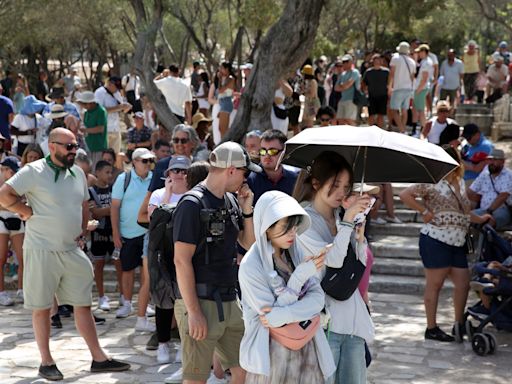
(475, 153)
(131, 200)
(6, 108)
(158, 173)
(68, 107)
(260, 183)
(353, 74)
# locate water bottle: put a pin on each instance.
(116, 253)
(277, 283)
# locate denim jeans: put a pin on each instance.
(501, 215)
(349, 356)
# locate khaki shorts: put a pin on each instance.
(114, 141)
(67, 274)
(347, 110)
(223, 338)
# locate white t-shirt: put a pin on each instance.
(405, 67)
(25, 123)
(434, 135)
(108, 100)
(497, 76)
(176, 93)
(425, 66)
(158, 195)
(131, 83)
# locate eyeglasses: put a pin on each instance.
(69, 146)
(177, 171)
(269, 151)
(246, 171)
(177, 140)
(146, 161)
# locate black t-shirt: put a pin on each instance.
(222, 270)
(105, 200)
(377, 81)
(158, 173)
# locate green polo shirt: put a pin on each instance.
(96, 142)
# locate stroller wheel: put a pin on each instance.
(458, 332)
(493, 344)
(469, 330)
(480, 344)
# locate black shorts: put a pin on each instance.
(377, 105)
(131, 253)
(293, 115)
(101, 244)
(436, 254)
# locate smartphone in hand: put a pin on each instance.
(325, 249)
(361, 217)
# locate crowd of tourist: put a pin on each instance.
(79, 191)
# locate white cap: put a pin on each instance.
(231, 154)
(142, 153)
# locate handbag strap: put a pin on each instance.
(459, 202)
(408, 69)
(495, 190)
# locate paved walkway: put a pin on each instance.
(400, 353)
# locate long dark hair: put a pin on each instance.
(325, 166)
(229, 67)
(291, 221)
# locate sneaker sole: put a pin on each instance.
(51, 378)
(119, 369)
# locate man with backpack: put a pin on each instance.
(127, 195)
(207, 227)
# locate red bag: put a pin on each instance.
(294, 336)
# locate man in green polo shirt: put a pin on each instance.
(95, 122)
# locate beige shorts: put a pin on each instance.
(223, 338)
(347, 110)
(114, 141)
(67, 274)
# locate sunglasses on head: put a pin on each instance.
(69, 146)
(177, 140)
(269, 151)
(177, 171)
(146, 161)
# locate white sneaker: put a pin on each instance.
(144, 325)
(215, 380)
(5, 300)
(19, 296)
(125, 310)
(175, 378)
(395, 220)
(162, 354)
(379, 221)
(150, 311)
(103, 303)
(177, 358)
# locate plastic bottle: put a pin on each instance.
(277, 283)
(116, 254)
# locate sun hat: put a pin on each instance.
(31, 105)
(231, 154)
(308, 70)
(56, 93)
(57, 111)
(346, 58)
(403, 48)
(86, 97)
(497, 154)
(198, 118)
(139, 115)
(497, 57)
(442, 106)
(142, 153)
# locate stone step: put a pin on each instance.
(484, 121)
(389, 229)
(399, 247)
(411, 285)
(395, 266)
(406, 215)
(473, 108)
(399, 187)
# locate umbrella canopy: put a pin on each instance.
(377, 156)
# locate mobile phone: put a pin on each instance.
(325, 249)
(360, 217)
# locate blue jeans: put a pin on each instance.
(501, 215)
(349, 356)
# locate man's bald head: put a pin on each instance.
(57, 134)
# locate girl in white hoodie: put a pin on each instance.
(325, 190)
(278, 218)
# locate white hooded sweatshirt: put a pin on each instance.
(257, 293)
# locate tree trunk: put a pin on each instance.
(147, 29)
(285, 46)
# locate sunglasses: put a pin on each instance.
(177, 171)
(177, 140)
(69, 146)
(146, 161)
(269, 151)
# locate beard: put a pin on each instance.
(67, 160)
(495, 169)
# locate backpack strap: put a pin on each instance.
(127, 179)
(95, 196)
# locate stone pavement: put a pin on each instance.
(400, 355)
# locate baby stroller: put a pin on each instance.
(493, 248)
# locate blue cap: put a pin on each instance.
(31, 105)
(11, 162)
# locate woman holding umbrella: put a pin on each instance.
(445, 209)
(325, 190)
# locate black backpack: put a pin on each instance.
(162, 272)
